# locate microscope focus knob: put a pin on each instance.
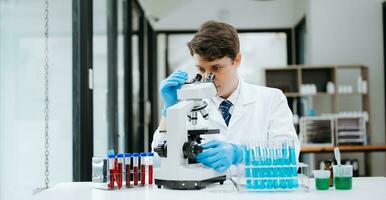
(191, 149)
(162, 150)
(198, 149)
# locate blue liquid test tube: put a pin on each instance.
(269, 168)
(275, 172)
(254, 168)
(247, 158)
(294, 167)
(282, 174)
(263, 174)
(289, 166)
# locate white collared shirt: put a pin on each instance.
(233, 98)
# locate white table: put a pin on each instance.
(363, 189)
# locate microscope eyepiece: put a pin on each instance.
(197, 78)
(210, 77)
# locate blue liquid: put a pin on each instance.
(295, 183)
(249, 184)
(254, 169)
(255, 184)
(262, 184)
(247, 172)
(275, 184)
(283, 184)
(269, 184)
(270, 172)
(281, 172)
(247, 156)
(292, 155)
(264, 172)
(289, 183)
(289, 171)
(275, 172)
(294, 171)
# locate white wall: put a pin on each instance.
(241, 14)
(300, 9)
(350, 32)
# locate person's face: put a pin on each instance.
(225, 70)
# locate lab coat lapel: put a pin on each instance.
(215, 115)
(246, 98)
(237, 115)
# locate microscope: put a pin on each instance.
(179, 168)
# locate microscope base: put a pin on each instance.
(188, 184)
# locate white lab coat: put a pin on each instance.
(261, 114)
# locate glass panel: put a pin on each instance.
(136, 83)
(179, 57)
(135, 19)
(121, 135)
(100, 77)
(22, 96)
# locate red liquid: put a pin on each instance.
(120, 175)
(143, 174)
(128, 175)
(136, 176)
(115, 166)
(150, 174)
(111, 184)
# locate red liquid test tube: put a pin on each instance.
(135, 167)
(119, 170)
(143, 168)
(150, 156)
(127, 168)
(111, 171)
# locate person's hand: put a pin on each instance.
(168, 89)
(220, 155)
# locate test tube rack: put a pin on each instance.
(123, 171)
(270, 169)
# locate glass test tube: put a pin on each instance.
(119, 170)
(254, 168)
(150, 157)
(294, 169)
(143, 167)
(263, 162)
(135, 167)
(282, 174)
(288, 169)
(127, 168)
(269, 168)
(111, 171)
(275, 162)
(247, 160)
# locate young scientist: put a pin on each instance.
(240, 110)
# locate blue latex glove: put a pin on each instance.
(168, 89)
(220, 155)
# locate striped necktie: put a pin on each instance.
(224, 107)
